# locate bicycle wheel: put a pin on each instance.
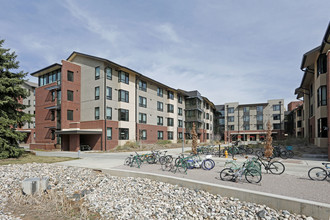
(190, 164)
(276, 168)
(253, 176)
(162, 160)
(289, 153)
(169, 158)
(208, 164)
(167, 166)
(182, 166)
(227, 174)
(127, 161)
(249, 150)
(317, 173)
(283, 155)
(151, 159)
(259, 153)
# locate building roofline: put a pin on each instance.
(309, 53)
(32, 84)
(326, 38)
(39, 72)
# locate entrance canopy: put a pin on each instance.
(79, 131)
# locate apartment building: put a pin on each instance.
(248, 122)
(314, 90)
(295, 118)
(29, 128)
(88, 100)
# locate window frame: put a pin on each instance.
(120, 131)
(160, 106)
(122, 111)
(109, 137)
(97, 91)
(108, 117)
(142, 85)
(142, 118)
(126, 96)
(97, 110)
(141, 102)
(160, 120)
(69, 115)
(123, 77)
(97, 72)
(68, 95)
(160, 92)
(109, 76)
(109, 93)
(70, 74)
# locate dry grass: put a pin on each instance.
(32, 158)
(133, 146)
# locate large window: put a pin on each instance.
(276, 126)
(322, 125)
(170, 122)
(170, 95)
(260, 117)
(160, 135)
(322, 96)
(260, 127)
(322, 64)
(97, 113)
(142, 85)
(231, 119)
(109, 113)
(160, 92)
(142, 118)
(123, 134)
(70, 115)
(170, 135)
(160, 106)
(70, 76)
(123, 95)
(123, 115)
(69, 95)
(180, 99)
(180, 135)
(260, 108)
(142, 102)
(97, 73)
(246, 109)
(159, 120)
(108, 72)
(109, 93)
(179, 111)
(276, 116)
(246, 127)
(207, 116)
(276, 107)
(123, 77)
(231, 110)
(180, 123)
(143, 134)
(97, 93)
(109, 133)
(170, 108)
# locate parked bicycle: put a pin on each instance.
(161, 157)
(197, 162)
(133, 160)
(277, 152)
(180, 165)
(319, 173)
(274, 167)
(248, 169)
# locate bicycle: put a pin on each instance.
(275, 167)
(319, 173)
(197, 162)
(180, 165)
(157, 156)
(248, 169)
(133, 160)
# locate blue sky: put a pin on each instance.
(244, 51)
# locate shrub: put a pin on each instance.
(163, 142)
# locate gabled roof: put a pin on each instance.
(47, 69)
(32, 84)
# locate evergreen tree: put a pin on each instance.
(11, 114)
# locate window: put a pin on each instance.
(143, 134)
(159, 120)
(123, 77)
(207, 126)
(34, 102)
(322, 64)
(97, 113)
(142, 102)
(50, 80)
(122, 115)
(246, 127)
(142, 118)
(299, 113)
(160, 92)
(123, 95)
(179, 111)
(207, 116)
(170, 95)
(109, 93)
(70, 95)
(70, 115)
(160, 135)
(109, 133)
(53, 96)
(180, 135)
(207, 136)
(142, 85)
(260, 108)
(70, 76)
(97, 93)
(170, 108)
(53, 135)
(322, 125)
(29, 102)
(180, 124)
(276, 116)
(108, 72)
(322, 96)
(59, 97)
(277, 126)
(180, 99)
(246, 109)
(276, 107)
(231, 119)
(97, 73)
(260, 118)
(260, 127)
(299, 124)
(231, 127)
(170, 121)
(52, 116)
(170, 135)
(230, 110)
(109, 113)
(160, 106)
(123, 134)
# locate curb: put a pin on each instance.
(299, 206)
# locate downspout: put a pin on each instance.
(104, 111)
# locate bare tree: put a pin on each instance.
(194, 139)
(269, 141)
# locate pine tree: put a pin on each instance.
(11, 114)
(194, 139)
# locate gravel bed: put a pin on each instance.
(300, 187)
(133, 198)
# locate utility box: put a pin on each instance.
(31, 186)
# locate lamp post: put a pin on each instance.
(227, 126)
(280, 119)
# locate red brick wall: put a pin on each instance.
(73, 86)
(293, 105)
